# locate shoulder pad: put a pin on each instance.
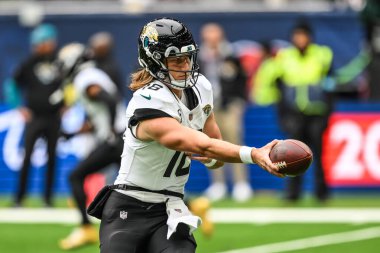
(155, 91)
(156, 96)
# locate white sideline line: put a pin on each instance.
(295, 215)
(39, 215)
(312, 242)
(218, 215)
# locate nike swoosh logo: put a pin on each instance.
(146, 97)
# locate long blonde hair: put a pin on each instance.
(139, 79)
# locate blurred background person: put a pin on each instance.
(370, 16)
(105, 112)
(265, 90)
(219, 64)
(301, 72)
(101, 45)
(39, 81)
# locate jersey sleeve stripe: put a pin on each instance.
(144, 114)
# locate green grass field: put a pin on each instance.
(32, 238)
(43, 238)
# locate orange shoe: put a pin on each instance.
(80, 236)
(200, 207)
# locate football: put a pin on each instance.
(293, 157)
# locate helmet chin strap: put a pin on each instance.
(178, 84)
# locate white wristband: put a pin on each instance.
(245, 154)
(211, 163)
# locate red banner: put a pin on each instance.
(351, 149)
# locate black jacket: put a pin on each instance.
(38, 78)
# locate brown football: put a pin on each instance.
(292, 156)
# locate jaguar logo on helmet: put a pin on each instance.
(149, 35)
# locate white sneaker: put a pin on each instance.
(242, 192)
(216, 191)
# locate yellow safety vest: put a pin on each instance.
(265, 91)
(305, 74)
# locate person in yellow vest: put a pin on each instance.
(265, 91)
(300, 73)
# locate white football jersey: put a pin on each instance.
(148, 164)
(97, 112)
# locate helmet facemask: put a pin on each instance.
(187, 78)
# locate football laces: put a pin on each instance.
(281, 165)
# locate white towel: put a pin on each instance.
(179, 213)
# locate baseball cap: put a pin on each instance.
(42, 33)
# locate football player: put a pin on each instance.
(105, 113)
(170, 121)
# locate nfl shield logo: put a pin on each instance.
(190, 116)
(123, 215)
